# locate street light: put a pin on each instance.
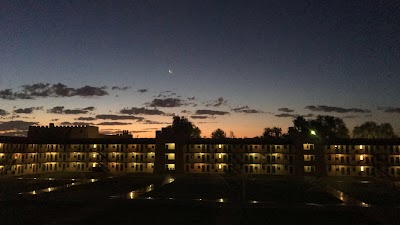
(313, 132)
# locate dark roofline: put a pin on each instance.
(365, 141)
(62, 126)
(239, 141)
(122, 140)
(116, 140)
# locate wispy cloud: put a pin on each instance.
(285, 115)
(44, 90)
(76, 124)
(324, 108)
(152, 122)
(141, 111)
(3, 112)
(210, 112)
(202, 117)
(293, 115)
(151, 128)
(205, 122)
(62, 110)
(216, 103)
(15, 133)
(27, 110)
(15, 127)
(390, 109)
(117, 117)
(121, 88)
(86, 118)
(246, 109)
(166, 103)
(349, 117)
(113, 123)
(285, 109)
(165, 94)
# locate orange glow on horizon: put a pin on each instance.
(241, 128)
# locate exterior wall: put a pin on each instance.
(250, 158)
(309, 159)
(363, 160)
(23, 159)
(203, 157)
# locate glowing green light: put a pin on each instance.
(313, 132)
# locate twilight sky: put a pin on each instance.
(236, 65)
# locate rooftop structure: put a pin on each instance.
(52, 132)
(56, 132)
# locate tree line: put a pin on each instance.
(323, 127)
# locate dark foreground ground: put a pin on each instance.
(186, 200)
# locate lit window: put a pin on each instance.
(94, 155)
(219, 156)
(361, 157)
(170, 156)
(362, 168)
(219, 146)
(94, 146)
(170, 166)
(361, 147)
(219, 166)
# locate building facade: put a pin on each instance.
(165, 154)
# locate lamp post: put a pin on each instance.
(313, 133)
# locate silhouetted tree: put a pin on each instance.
(218, 134)
(373, 130)
(329, 127)
(301, 125)
(300, 129)
(274, 132)
(182, 126)
(231, 134)
(325, 127)
(196, 132)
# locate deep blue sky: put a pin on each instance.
(267, 55)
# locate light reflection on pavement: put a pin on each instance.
(136, 194)
(56, 188)
(348, 200)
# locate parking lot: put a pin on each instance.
(178, 200)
